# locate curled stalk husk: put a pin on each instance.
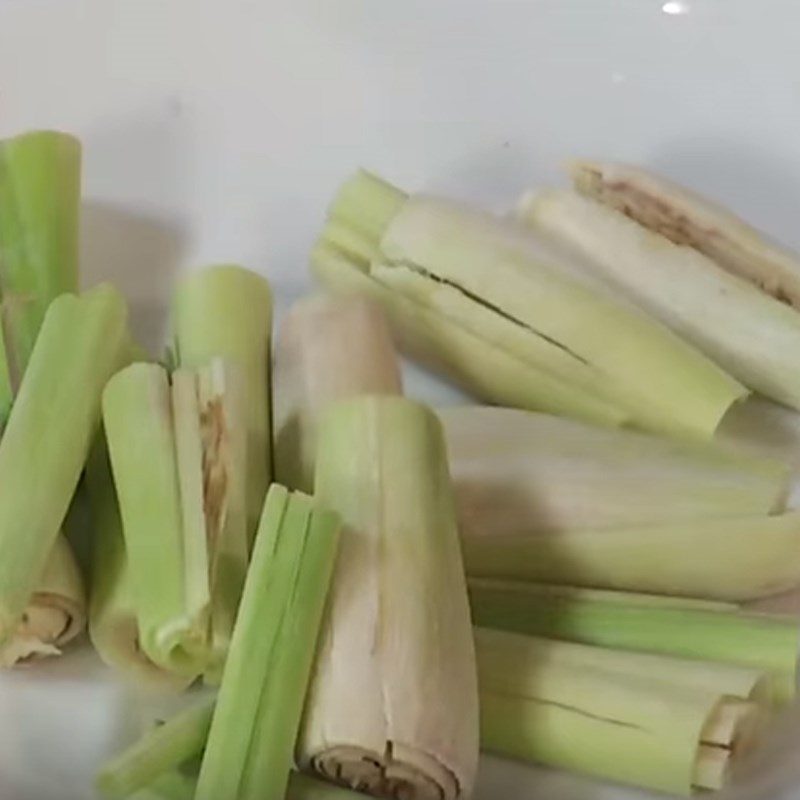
(517, 472)
(398, 616)
(328, 349)
(483, 276)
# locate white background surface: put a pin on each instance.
(219, 130)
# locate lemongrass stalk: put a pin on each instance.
(40, 176)
(736, 558)
(226, 311)
(158, 752)
(328, 349)
(255, 722)
(686, 218)
(398, 614)
(55, 614)
(750, 334)
(622, 725)
(516, 472)
(170, 786)
(480, 367)
(49, 433)
(649, 623)
(141, 441)
(764, 428)
(113, 623)
(481, 274)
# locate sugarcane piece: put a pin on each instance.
(478, 366)
(751, 335)
(623, 725)
(734, 558)
(686, 218)
(55, 614)
(257, 716)
(158, 752)
(113, 622)
(398, 616)
(516, 472)
(482, 274)
(140, 431)
(40, 189)
(694, 629)
(226, 312)
(48, 436)
(328, 349)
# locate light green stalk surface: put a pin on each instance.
(650, 623)
(736, 558)
(255, 723)
(139, 429)
(49, 434)
(226, 311)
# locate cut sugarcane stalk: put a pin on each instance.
(736, 558)
(49, 434)
(482, 275)
(113, 623)
(40, 177)
(226, 312)
(398, 615)
(56, 613)
(184, 516)
(619, 725)
(328, 349)
(479, 366)
(516, 472)
(750, 334)
(686, 218)
(141, 441)
(255, 722)
(650, 623)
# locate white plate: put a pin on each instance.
(218, 129)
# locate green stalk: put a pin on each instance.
(49, 434)
(226, 312)
(614, 722)
(140, 433)
(170, 786)
(486, 277)
(516, 473)
(736, 558)
(255, 723)
(40, 176)
(649, 623)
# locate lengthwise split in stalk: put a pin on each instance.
(177, 453)
(516, 472)
(734, 558)
(328, 349)
(696, 268)
(449, 277)
(398, 616)
(611, 715)
(226, 312)
(49, 433)
(251, 740)
(695, 629)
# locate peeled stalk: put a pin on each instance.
(615, 723)
(226, 312)
(516, 472)
(40, 188)
(750, 334)
(328, 349)
(260, 703)
(49, 433)
(736, 558)
(693, 629)
(398, 617)
(482, 275)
